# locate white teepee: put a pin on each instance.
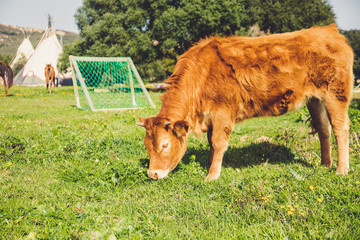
(46, 52)
(25, 50)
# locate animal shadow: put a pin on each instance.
(144, 162)
(242, 157)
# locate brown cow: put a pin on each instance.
(7, 75)
(221, 81)
(49, 77)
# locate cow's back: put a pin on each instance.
(49, 72)
(268, 75)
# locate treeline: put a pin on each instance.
(6, 58)
(354, 39)
(155, 32)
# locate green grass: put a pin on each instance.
(67, 173)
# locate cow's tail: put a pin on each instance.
(48, 73)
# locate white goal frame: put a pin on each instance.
(77, 77)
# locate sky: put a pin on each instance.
(32, 13)
(347, 13)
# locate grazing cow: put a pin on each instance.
(221, 81)
(7, 75)
(49, 77)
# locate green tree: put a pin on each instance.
(353, 37)
(279, 16)
(6, 58)
(155, 32)
(152, 32)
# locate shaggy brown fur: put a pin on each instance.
(7, 75)
(49, 77)
(221, 81)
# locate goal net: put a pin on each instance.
(104, 83)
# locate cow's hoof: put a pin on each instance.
(211, 178)
(341, 171)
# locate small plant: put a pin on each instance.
(72, 174)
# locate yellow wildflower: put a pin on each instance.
(282, 206)
(296, 206)
(290, 212)
(311, 188)
(319, 200)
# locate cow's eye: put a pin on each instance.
(164, 146)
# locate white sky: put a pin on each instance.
(347, 13)
(32, 13)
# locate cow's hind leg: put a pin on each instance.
(339, 120)
(50, 83)
(321, 124)
(47, 85)
(218, 137)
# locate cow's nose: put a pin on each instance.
(158, 174)
(153, 175)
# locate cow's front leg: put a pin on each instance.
(5, 86)
(218, 137)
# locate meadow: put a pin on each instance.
(67, 173)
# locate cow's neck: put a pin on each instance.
(178, 104)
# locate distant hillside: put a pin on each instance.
(12, 36)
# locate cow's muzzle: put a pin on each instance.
(158, 174)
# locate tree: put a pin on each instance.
(152, 32)
(353, 37)
(155, 32)
(279, 16)
(6, 58)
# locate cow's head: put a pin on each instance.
(166, 144)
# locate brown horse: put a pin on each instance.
(7, 75)
(49, 76)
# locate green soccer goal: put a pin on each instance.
(104, 83)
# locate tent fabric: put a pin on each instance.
(25, 49)
(47, 52)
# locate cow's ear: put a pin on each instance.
(142, 122)
(181, 128)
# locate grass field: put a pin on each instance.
(67, 173)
